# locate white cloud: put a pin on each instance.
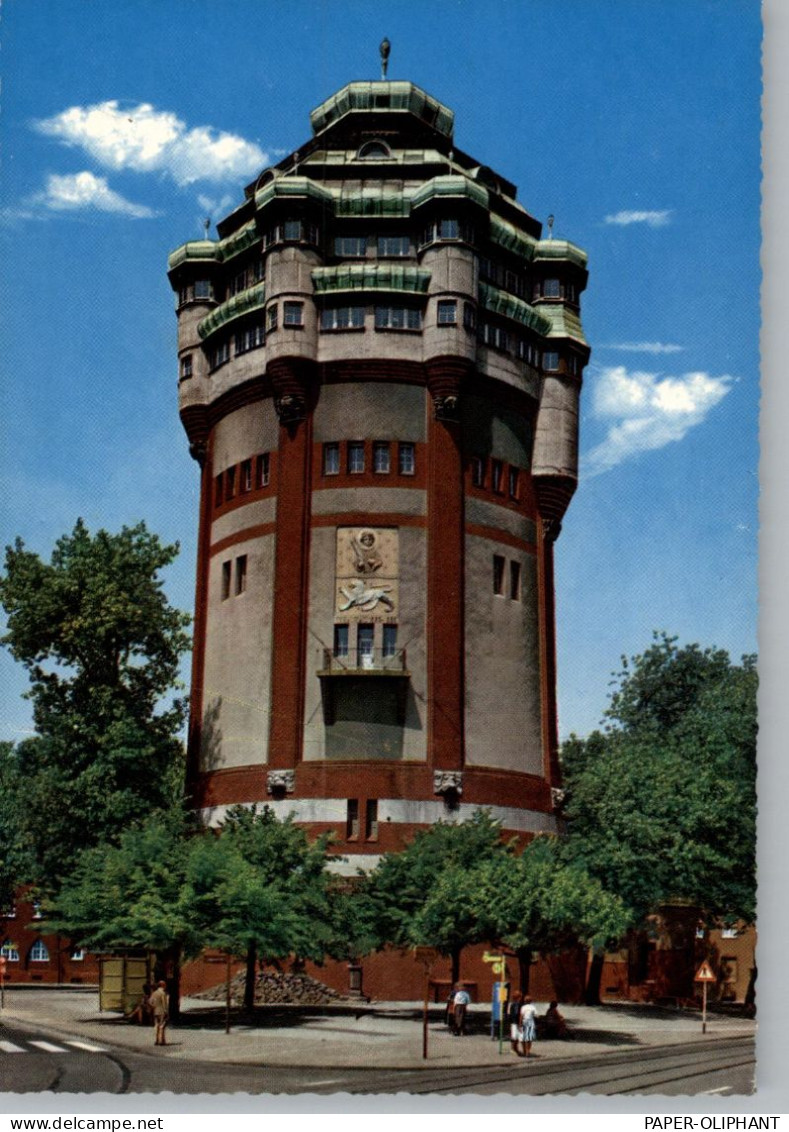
(148, 140)
(643, 347)
(647, 411)
(655, 219)
(76, 191)
(213, 206)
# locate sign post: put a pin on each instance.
(704, 975)
(499, 967)
(427, 957)
(2, 981)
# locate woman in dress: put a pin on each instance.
(528, 1025)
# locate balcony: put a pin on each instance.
(364, 662)
(364, 680)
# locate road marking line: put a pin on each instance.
(724, 1090)
(9, 1047)
(84, 1045)
(48, 1047)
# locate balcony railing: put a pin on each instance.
(361, 661)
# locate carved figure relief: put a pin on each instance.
(367, 569)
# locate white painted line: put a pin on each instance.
(723, 1091)
(84, 1045)
(48, 1047)
(9, 1047)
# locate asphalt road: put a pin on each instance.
(34, 1062)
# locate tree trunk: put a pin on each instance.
(455, 954)
(593, 979)
(750, 994)
(524, 969)
(249, 982)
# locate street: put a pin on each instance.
(32, 1061)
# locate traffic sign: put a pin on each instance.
(498, 961)
(705, 974)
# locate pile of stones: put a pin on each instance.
(278, 988)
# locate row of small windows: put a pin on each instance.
(352, 820)
(249, 475)
(38, 953)
(484, 474)
(506, 583)
(365, 643)
(357, 455)
(234, 577)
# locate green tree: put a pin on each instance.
(102, 647)
(661, 805)
(16, 855)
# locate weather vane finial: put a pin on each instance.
(550, 226)
(385, 48)
(207, 225)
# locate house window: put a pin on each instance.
(352, 820)
(371, 820)
(293, 314)
(246, 475)
(342, 318)
(515, 581)
(447, 312)
(550, 360)
(398, 318)
(241, 574)
(37, 913)
(340, 640)
(513, 477)
(77, 955)
(497, 472)
(226, 569)
(203, 289)
(8, 913)
(365, 636)
(220, 354)
(291, 230)
(394, 246)
(250, 338)
(350, 247)
(551, 289)
(729, 933)
(449, 229)
(381, 456)
(331, 459)
(356, 456)
(263, 470)
(219, 490)
(406, 461)
(39, 952)
(186, 366)
(230, 483)
(477, 471)
(469, 316)
(498, 574)
(271, 317)
(390, 640)
(9, 951)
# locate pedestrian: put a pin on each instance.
(528, 1025)
(160, 1006)
(513, 1017)
(142, 1011)
(555, 1025)
(449, 1016)
(459, 1005)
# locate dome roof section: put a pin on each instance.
(383, 99)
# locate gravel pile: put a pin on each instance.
(277, 988)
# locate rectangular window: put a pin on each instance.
(390, 640)
(343, 318)
(203, 289)
(447, 312)
(513, 478)
(250, 338)
(10, 951)
(331, 459)
(241, 574)
(398, 318)
(77, 955)
(291, 230)
(340, 640)
(246, 475)
(220, 355)
(365, 636)
(498, 574)
(350, 247)
(258, 271)
(184, 295)
(219, 495)
(293, 314)
(449, 229)
(515, 581)
(230, 483)
(356, 456)
(497, 472)
(394, 246)
(271, 317)
(226, 573)
(186, 366)
(352, 820)
(263, 470)
(551, 289)
(406, 460)
(371, 820)
(381, 456)
(550, 360)
(477, 471)
(469, 316)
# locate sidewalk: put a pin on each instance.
(379, 1035)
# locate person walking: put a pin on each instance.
(160, 1007)
(513, 1017)
(528, 1025)
(459, 1004)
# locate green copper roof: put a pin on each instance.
(378, 97)
(292, 187)
(194, 250)
(245, 301)
(560, 249)
(450, 186)
(375, 201)
(503, 303)
(564, 323)
(371, 277)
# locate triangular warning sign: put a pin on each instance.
(704, 974)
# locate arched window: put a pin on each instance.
(10, 951)
(374, 149)
(39, 952)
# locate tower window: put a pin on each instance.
(293, 314)
(374, 149)
(186, 366)
(447, 312)
(291, 230)
(218, 490)
(406, 461)
(350, 247)
(230, 483)
(390, 640)
(356, 456)
(342, 318)
(497, 473)
(550, 360)
(220, 355)
(241, 574)
(250, 338)
(551, 289)
(498, 574)
(331, 459)
(263, 470)
(394, 246)
(341, 640)
(246, 475)
(398, 318)
(271, 317)
(352, 820)
(449, 229)
(371, 820)
(203, 289)
(226, 573)
(515, 581)
(477, 471)
(365, 637)
(513, 477)
(381, 456)
(469, 316)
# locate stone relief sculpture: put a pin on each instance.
(357, 594)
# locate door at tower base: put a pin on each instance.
(366, 723)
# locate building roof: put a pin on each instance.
(384, 97)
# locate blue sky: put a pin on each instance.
(636, 125)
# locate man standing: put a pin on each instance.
(459, 1003)
(160, 1007)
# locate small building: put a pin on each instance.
(33, 955)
